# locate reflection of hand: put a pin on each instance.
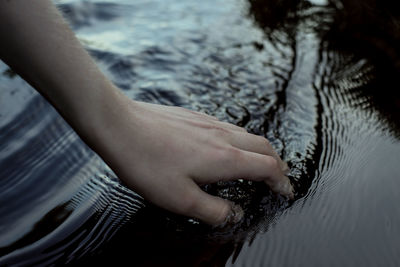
(164, 152)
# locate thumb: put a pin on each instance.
(214, 210)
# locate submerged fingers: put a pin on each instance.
(259, 167)
(232, 163)
(240, 138)
(189, 200)
(257, 144)
(214, 210)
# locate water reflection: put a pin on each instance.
(310, 76)
(370, 29)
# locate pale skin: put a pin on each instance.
(163, 153)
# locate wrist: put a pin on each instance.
(98, 118)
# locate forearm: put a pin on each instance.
(39, 45)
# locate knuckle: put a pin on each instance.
(233, 155)
(221, 130)
(228, 155)
(242, 129)
(212, 117)
(272, 163)
(218, 131)
(180, 109)
(220, 153)
(263, 141)
(235, 127)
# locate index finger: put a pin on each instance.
(257, 144)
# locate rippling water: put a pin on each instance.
(317, 78)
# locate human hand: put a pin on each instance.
(164, 153)
(161, 152)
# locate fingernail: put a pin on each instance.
(234, 216)
(285, 188)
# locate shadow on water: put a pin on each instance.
(314, 59)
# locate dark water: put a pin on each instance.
(319, 79)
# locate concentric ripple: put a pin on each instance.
(300, 73)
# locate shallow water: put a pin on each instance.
(317, 78)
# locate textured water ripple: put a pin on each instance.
(273, 70)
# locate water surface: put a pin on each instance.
(317, 78)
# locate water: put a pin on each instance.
(317, 78)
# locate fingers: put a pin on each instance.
(252, 157)
(240, 138)
(183, 196)
(265, 168)
(233, 163)
(211, 209)
(257, 144)
(240, 164)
